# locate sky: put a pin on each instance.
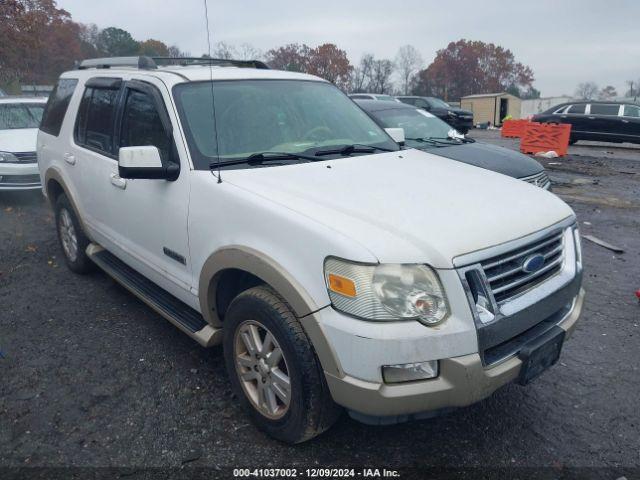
(565, 42)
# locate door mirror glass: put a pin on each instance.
(397, 134)
(143, 162)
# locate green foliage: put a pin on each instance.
(115, 42)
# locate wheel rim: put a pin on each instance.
(262, 369)
(68, 236)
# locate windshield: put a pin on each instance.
(437, 103)
(258, 116)
(20, 115)
(417, 124)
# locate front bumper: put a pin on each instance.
(19, 176)
(463, 380)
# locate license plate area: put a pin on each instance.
(539, 354)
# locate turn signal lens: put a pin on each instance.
(342, 285)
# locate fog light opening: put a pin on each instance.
(410, 372)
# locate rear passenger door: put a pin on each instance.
(605, 121)
(631, 122)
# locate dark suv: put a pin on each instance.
(461, 120)
(597, 121)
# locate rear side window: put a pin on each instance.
(576, 109)
(632, 111)
(599, 109)
(57, 106)
(94, 126)
(142, 126)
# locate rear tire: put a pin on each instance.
(72, 239)
(260, 370)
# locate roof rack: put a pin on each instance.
(149, 63)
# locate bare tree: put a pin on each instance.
(224, 50)
(408, 62)
(381, 77)
(246, 51)
(175, 52)
(608, 93)
(361, 77)
(634, 88)
(587, 90)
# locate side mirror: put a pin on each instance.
(397, 134)
(145, 162)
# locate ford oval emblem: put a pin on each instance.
(533, 263)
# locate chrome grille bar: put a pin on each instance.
(527, 278)
(537, 246)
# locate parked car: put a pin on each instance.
(461, 120)
(335, 269)
(598, 121)
(372, 96)
(19, 121)
(425, 131)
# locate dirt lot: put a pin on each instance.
(92, 377)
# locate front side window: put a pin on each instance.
(577, 109)
(20, 115)
(57, 105)
(632, 111)
(437, 103)
(604, 109)
(258, 116)
(141, 124)
(94, 127)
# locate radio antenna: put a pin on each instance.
(213, 103)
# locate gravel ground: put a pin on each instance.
(92, 377)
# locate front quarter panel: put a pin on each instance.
(232, 228)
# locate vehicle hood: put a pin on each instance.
(18, 140)
(407, 206)
(457, 111)
(491, 157)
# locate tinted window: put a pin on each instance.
(631, 111)
(141, 124)
(94, 127)
(410, 101)
(20, 115)
(599, 109)
(577, 109)
(360, 97)
(57, 106)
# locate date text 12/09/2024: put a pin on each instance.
(315, 473)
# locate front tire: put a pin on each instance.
(72, 239)
(273, 368)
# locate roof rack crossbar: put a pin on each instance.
(220, 62)
(149, 63)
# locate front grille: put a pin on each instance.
(26, 157)
(19, 179)
(506, 275)
(539, 180)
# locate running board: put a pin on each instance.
(177, 312)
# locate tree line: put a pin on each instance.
(40, 41)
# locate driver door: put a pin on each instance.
(149, 217)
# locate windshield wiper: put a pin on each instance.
(455, 139)
(429, 140)
(351, 149)
(262, 157)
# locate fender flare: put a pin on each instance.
(53, 173)
(273, 274)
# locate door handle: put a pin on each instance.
(118, 181)
(69, 158)
(592, 118)
(625, 121)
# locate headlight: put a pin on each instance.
(8, 157)
(386, 292)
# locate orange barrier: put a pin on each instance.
(513, 128)
(543, 137)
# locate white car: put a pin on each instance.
(373, 96)
(19, 121)
(266, 212)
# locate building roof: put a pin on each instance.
(487, 95)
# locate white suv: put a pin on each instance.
(19, 121)
(263, 210)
